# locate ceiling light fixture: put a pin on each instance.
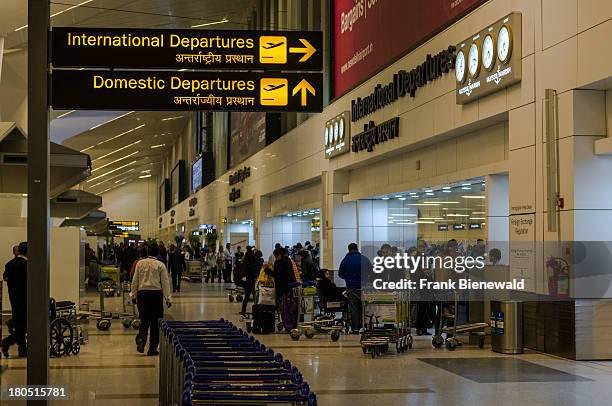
(65, 114)
(477, 218)
(111, 120)
(113, 138)
(59, 12)
(424, 222)
(224, 20)
(385, 198)
(144, 176)
(115, 161)
(441, 202)
(111, 178)
(473, 197)
(171, 118)
(457, 215)
(157, 146)
(112, 171)
(423, 204)
(117, 150)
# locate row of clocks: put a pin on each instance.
(493, 47)
(334, 132)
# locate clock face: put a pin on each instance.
(473, 60)
(460, 67)
(326, 135)
(488, 53)
(504, 44)
(336, 131)
(341, 129)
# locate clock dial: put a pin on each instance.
(326, 135)
(504, 44)
(488, 53)
(341, 129)
(460, 67)
(336, 132)
(473, 60)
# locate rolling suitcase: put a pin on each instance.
(264, 317)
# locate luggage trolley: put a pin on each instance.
(387, 320)
(214, 362)
(310, 323)
(447, 325)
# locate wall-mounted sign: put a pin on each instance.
(337, 135)
(375, 134)
(489, 60)
(124, 226)
(475, 226)
(196, 49)
(234, 195)
(315, 225)
(196, 175)
(442, 227)
(163, 90)
(404, 83)
(240, 175)
(370, 35)
(458, 227)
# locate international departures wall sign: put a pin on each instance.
(196, 49)
(205, 51)
(183, 91)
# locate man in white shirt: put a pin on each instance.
(150, 286)
(227, 271)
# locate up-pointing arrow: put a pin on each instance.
(304, 87)
(308, 50)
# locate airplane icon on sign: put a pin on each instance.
(271, 45)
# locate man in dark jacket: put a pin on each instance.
(177, 265)
(252, 267)
(15, 275)
(309, 269)
(352, 267)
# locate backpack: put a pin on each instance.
(240, 275)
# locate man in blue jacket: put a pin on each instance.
(352, 267)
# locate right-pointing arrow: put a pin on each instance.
(308, 50)
(304, 87)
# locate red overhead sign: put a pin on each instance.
(371, 34)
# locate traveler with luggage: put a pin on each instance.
(210, 262)
(352, 267)
(149, 288)
(284, 277)
(251, 266)
(177, 264)
(15, 275)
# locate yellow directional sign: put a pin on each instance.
(134, 48)
(304, 87)
(308, 50)
(274, 92)
(273, 49)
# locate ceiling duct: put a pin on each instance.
(93, 220)
(68, 167)
(74, 204)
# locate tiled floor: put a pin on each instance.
(109, 371)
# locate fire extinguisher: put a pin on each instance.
(558, 277)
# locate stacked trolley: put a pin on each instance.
(214, 362)
(386, 320)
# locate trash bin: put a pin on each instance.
(507, 326)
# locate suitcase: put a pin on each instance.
(264, 318)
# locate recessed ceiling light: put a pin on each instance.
(457, 215)
(401, 198)
(145, 176)
(447, 191)
(477, 218)
(430, 194)
(385, 198)
(171, 118)
(111, 120)
(157, 146)
(115, 161)
(424, 222)
(225, 20)
(413, 193)
(474, 197)
(466, 184)
(113, 138)
(115, 151)
(112, 171)
(446, 188)
(466, 188)
(441, 202)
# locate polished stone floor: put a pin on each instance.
(109, 371)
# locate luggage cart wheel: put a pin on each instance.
(279, 327)
(451, 344)
(437, 341)
(481, 342)
(335, 335)
(239, 298)
(231, 298)
(76, 348)
(126, 323)
(136, 324)
(309, 333)
(295, 334)
(103, 324)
